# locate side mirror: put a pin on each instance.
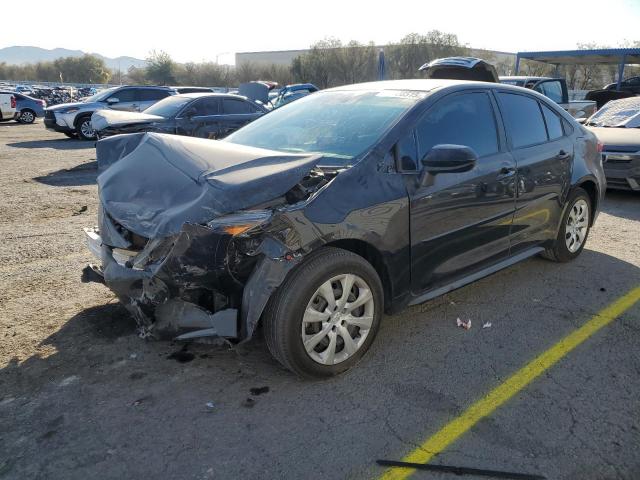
(581, 120)
(113, 100)
(447, 158)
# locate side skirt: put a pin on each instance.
(476, 276)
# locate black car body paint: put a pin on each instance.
(422, 233)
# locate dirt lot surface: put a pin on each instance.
(81, 396)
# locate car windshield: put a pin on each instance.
(168, 107)
(623, 113)
(98, 97)
(340, 124)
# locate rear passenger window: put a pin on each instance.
(523, 119)
(153, 95)
(465, 119)
(232, 106)
(554, 125)
(125, 95)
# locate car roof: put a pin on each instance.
(210, 94)
(424, 85)
(524, 77)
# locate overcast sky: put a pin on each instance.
(192, 30)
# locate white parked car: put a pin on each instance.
(7, 106)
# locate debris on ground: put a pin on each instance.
(141, 400)
(68, 381)
(486, 325)
(81, 210)
(602, 289)
(462, 324)
(249, 402)
(182, 355)
(210, 405)
(259, 390)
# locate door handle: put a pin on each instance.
(562, 155)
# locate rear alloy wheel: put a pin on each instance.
(84, 128)
(325, 315)
(574, 229)
(26, 116)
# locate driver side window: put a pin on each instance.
(466, 119)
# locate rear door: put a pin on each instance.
(543, 152)
(201, 119)
(148, 96)
(460, 222)
(126, 97)
(236, 113)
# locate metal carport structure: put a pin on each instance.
(606, 56)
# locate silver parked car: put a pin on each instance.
(74, 119)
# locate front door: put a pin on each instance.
(460, 222)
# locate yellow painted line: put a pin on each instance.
(519, 380)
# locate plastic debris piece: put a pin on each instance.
(249, 403)
(210, 405)
(259, 390)
(486, 325)
(466, 325)
(602, 289)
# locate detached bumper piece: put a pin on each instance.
(165, 285)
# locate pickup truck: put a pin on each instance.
(556, 90)
(7, 105)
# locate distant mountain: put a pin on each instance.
(20, 55)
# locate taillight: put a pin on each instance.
(13, 101)
(43, 103)
(600, 147)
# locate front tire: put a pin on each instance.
(84, 129)
(325, 315)
(574, 229)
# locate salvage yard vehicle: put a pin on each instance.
(74, 119)
(204, 115)
(7, 105)
(27, 108)
(291, 93)
(556, 89)
(316, 218)
(617, 126)
(631, 84)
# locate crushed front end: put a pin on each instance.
(181, 267)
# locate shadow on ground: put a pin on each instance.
(83, 174)
(627, 204)
(104, 398)
(62, 144)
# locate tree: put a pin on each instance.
(414, 50)
(161, 69)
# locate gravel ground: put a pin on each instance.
(81, 396)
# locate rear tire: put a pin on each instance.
(27, 116)
(70, 134)
(84, 129)
(574, 228)
(310, 325)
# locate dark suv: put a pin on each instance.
(322, 214)
(74, 119)
(631, 84)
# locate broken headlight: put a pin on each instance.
(241, 222)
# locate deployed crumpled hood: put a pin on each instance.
(111, 118)
(154, 183)
(625, 139)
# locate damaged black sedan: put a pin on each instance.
(319, 216)
(202, 115)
